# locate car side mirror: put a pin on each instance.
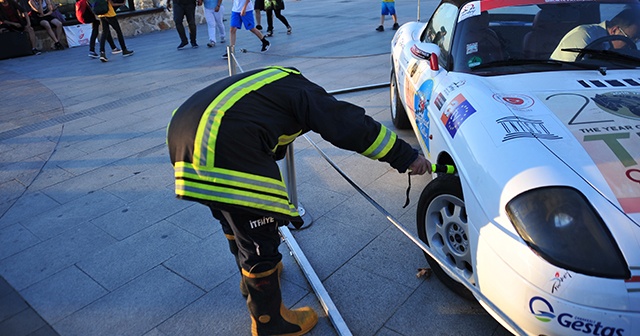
(427, 51)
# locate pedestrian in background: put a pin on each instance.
(41, 14)
(182, 8)
(109, 20)
(258, 6)
(224, 143)
(241, 16)
(84, 14)
(388, 8)
(14, 18)
(213, 13)
(275, 6)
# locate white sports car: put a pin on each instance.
(537, 105)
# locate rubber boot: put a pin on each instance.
(269, 316)
(233, 247)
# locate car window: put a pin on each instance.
(439, 30)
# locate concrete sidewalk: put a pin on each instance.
(93, 241)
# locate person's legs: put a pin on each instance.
(211, 24)
(103, 38)
(218, 20)
(32, 36)
(47, 26)
(113, 21)
(282, 18)
(190, 13)
(257, 240)
(178, 17)
(58, 25)
(95, 25)
(269, 22)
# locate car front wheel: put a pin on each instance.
(398, 114)
(443, 226)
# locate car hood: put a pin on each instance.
(588, 121)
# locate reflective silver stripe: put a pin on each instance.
(276, 187)
(384, 144)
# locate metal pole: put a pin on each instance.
(418, 11)
(323, 296)
(231, 59)
(289, 172)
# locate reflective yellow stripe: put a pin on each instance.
(284, 140)
(232, 187)
(205, 140)
(383, 144)
(230, 178)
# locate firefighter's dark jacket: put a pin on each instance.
(224, 141)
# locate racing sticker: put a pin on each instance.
(559, 281)
(469, 10)
(456, 112)
(572, 321)
(607, 125)
(518, 127)
(421, 101)
(515, 101)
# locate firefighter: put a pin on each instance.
(224, 142)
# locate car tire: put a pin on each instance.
(398, 113)
(442, 225)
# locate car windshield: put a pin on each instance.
(514, 36)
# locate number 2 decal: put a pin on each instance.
(586, 102)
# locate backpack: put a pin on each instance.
(83, 12)
(99, 7)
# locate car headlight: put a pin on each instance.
(561, 226)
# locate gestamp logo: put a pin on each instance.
(543, 311)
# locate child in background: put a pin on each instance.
(239, 16)
(388, 8)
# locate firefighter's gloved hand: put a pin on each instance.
(419, 166)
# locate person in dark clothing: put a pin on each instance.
(107, 20)
(224, 142)
(182, 8)
(13, 17)
(276, 6)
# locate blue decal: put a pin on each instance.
(420, 103)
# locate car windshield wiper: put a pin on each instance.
(604, 53)
(551, 62)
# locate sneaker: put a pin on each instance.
(380, 28)
(222, 39)
(265, 45)
(269, 33)
(225, 56)
(211, 44)
(395, 26)
(289, 30)
(182, 45)
(93, 54)
(194, 45)
(103, 57)
(35, 51)
(126, 53)
(58, 46)
(259, 27)
(116, 51)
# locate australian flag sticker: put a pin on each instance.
(456, 112)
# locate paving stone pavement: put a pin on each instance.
(93, 241)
